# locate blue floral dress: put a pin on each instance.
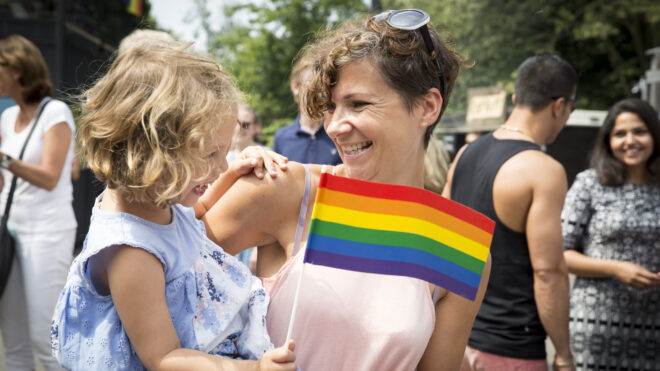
(216, 305)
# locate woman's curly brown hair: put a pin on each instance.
(400, 55)
(146, 125)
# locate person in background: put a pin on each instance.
(507, 177)
(41, 219)
(382, 90)
(305, 140)
(244, 136)
(246, 131)
(611, 227)
(149, 290)
(472, 136)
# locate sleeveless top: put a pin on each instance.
(349, 320)
(215, 303)
(508, 323)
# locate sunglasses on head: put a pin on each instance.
(412, 20)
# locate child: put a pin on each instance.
(149, 289)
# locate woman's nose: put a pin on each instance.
(337, 124)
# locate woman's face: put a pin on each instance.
(8, 81)
(378, 138)
(630, 140)
(216, 158)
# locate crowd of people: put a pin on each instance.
(194, 254)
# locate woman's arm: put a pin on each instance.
(454, 316)
(631, 274)
(46, 175)
(256, 212)
(252, 159)
(137, 286)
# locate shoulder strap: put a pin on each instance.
(436, 292)
(10, 196)
(303, 212)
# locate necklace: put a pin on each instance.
(515, 129)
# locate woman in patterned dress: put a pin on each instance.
(611, 227)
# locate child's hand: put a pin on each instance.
(258, 159)
(279, 359)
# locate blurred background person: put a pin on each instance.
(247, 132)
(472, 136)
(304, 140)
(41, 220)
(611, 228)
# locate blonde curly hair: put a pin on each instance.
(147, 124)
(400, 56)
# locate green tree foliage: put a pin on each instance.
(260, 41)
(605, 40)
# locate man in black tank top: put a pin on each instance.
(507, 177)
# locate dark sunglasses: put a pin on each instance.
(574, 102)
(244, 124)
(411, 20)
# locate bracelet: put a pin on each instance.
(564, 364)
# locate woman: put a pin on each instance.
(382, 94)
(611, 227)
(41, 218)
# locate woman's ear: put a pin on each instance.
(431, 106)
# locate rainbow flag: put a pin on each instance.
(398, 230)
(134, 7)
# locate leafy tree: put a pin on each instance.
(260, 41)
(604, 40)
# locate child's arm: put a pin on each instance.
(137, 285)
(251, 159)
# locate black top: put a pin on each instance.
(508, 323)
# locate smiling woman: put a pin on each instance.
(382, 88)
(611, 227)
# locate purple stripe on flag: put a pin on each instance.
(391, 268)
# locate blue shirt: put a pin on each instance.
(216, 305)
(300, 146)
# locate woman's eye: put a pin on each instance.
(359, 104)
(212, 154)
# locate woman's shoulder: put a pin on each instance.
(56, 111)
(285, 185)
(10, 113)
(587, 178)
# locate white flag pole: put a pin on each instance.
(295, 304)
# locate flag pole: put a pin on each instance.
(295, 304)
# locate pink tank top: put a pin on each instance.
(349, 320)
